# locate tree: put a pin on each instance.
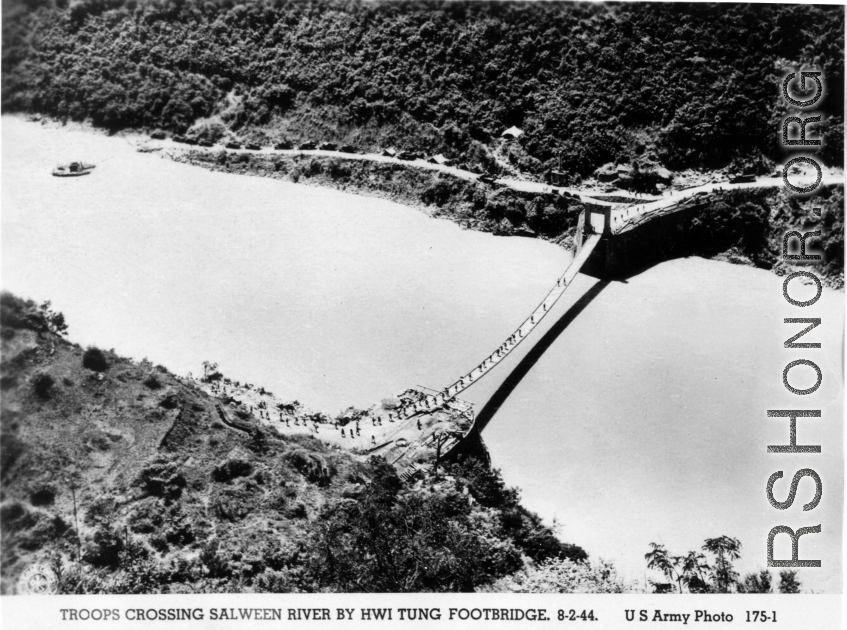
(788, 582)
(659, 560)
(695, 571)
(726, 550)
(753, 583)
(54, 319)
(210, 372)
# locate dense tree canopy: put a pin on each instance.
(585, 82)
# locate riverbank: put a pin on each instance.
(743, 225)
(739, 226)
(471, 204)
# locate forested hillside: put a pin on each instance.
(693, 85)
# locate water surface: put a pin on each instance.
(331, 298)
(643, 421)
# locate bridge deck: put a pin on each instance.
(528, 324)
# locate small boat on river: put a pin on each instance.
(73, 169)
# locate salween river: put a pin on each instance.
(644, 420)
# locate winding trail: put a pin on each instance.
(594, 197)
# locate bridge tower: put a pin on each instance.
(598, 220)
(595, 219)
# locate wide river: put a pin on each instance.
(644, 420)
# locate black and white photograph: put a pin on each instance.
(340, 297)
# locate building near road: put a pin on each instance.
(512, 132)
(606, 173)
(557, 178)
(389, 153)
(664, 175)
(440, 159)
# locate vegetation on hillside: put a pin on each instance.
(747, 226)
(689, 85)
(564, 576)
(123, 477)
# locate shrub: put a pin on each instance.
(298, 510)
(43, 383)
(46, 529)
(147, 518)
(95, 360)
(788, 582)
(162, 479)
(311, 466)
(105, 548)
(15, 516)
(757, 583)
(101, 509)
(153, 382)
(564, 576)
(44, 496)
(388, 541)
(171, 401)
(232, 469)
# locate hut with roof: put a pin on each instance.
(512, 132)
(440, 159)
